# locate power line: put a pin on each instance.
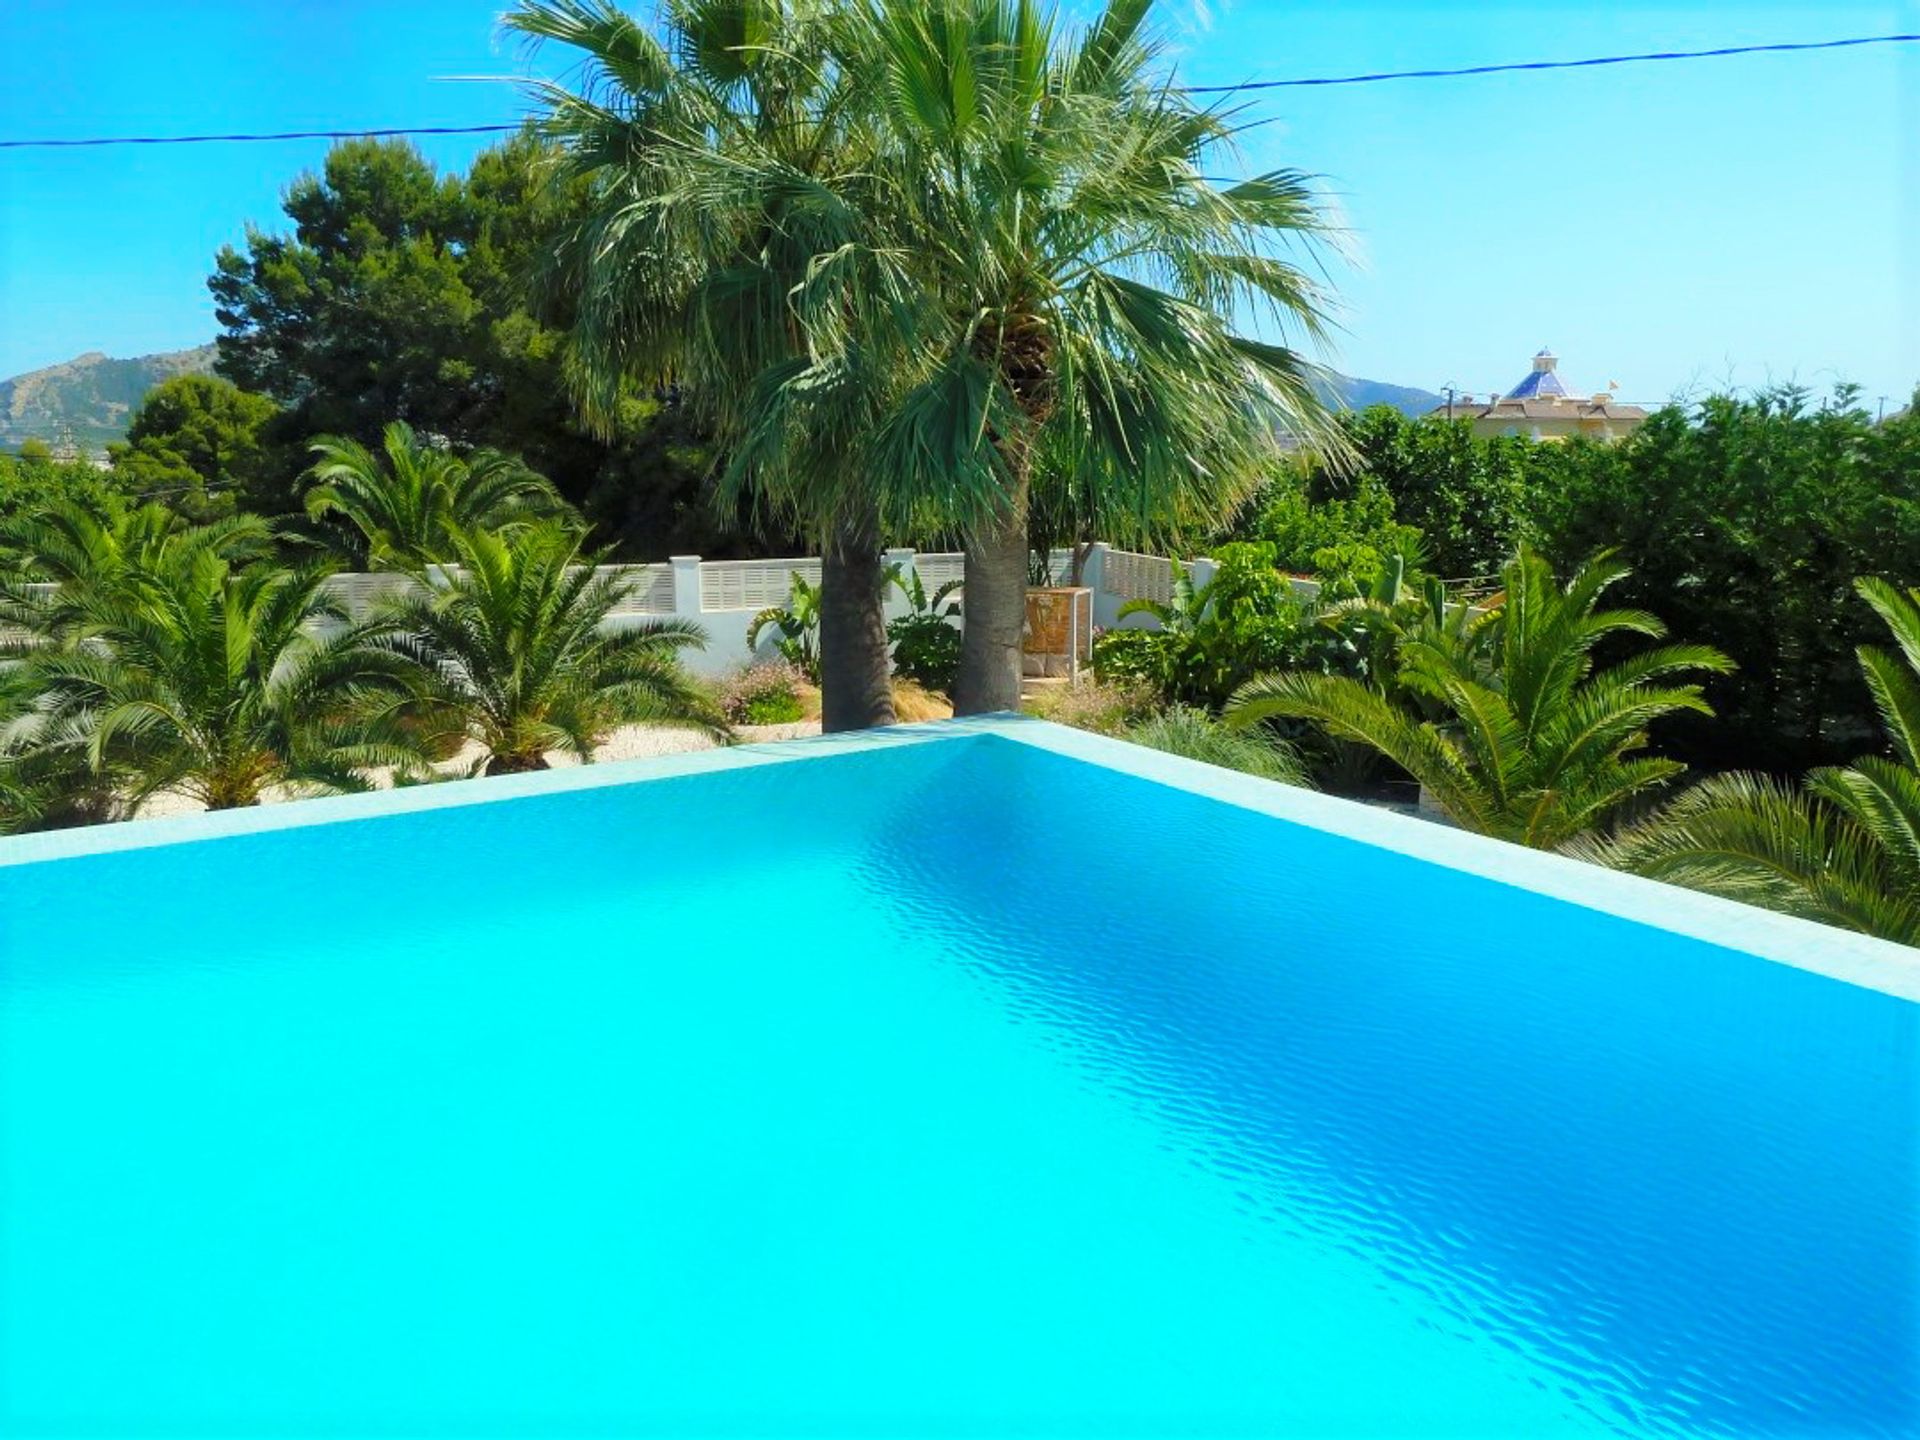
(1721, 52)
(1784, 48)
(273, 135)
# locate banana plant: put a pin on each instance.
(798, 622)
(926, 649)
(913, 590)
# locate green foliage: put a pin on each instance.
(1200, 735)
(174, 668)
(399, 294)
(198, 444)
(33, 487)
(926, 646)
(515, 655)
(1106, 707)
(1373, 615)
(409, 504)
(1535, 743)
(1466, 495)
(901, 249)
(798, 622)
(1844, 850)
(1745, 522)
(767, 693)
(1215, 637)
(1313, 532)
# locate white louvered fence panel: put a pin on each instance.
(1130, 575)
(650, 589)
(751, 584)
(937, 569)
(359, 593)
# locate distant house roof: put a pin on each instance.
(1507, 407)
(1542, 395)
(1541, 381)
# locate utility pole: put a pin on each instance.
(1883, 411)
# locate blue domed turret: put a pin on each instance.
(1542, 383)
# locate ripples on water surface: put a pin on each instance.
(950, 1089)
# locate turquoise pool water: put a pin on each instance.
(949, 1087)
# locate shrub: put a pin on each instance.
(1746, 521)
(926, 650)
(1301, 518)
(1124, 658)
(764, 694)
(913, 703)
(1199, 736)
(1102, 706)
(1215, 637)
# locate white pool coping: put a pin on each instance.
(1839, 954)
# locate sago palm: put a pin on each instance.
(720, 150)
(1845, 849)
(220, 683)
(62, 567)
(53, 559)
(1061, 272)
(1529, 740)
(409, 501)
(518, 656)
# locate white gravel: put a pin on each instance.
(630, 742)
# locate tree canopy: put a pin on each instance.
(200, 443)
(399, 293)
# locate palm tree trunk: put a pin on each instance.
(994, 605)
(856, 685)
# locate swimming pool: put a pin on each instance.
(979, 1080)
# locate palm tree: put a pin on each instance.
(218, 682)
(519, 659)
(1056, 271)
(1533, 742)
(1845, 849)
(80, 552)
(718, 154)
(62, 567)
(898, 248)
(409, 508)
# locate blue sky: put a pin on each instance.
(1666, 227)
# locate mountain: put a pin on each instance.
(1345, 392)
(95, 395)
(90, 397)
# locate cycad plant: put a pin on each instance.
(1526, 736)
(1843, 849)
(219, 682)
(517, 655)
(52, 560)
(410, 501)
